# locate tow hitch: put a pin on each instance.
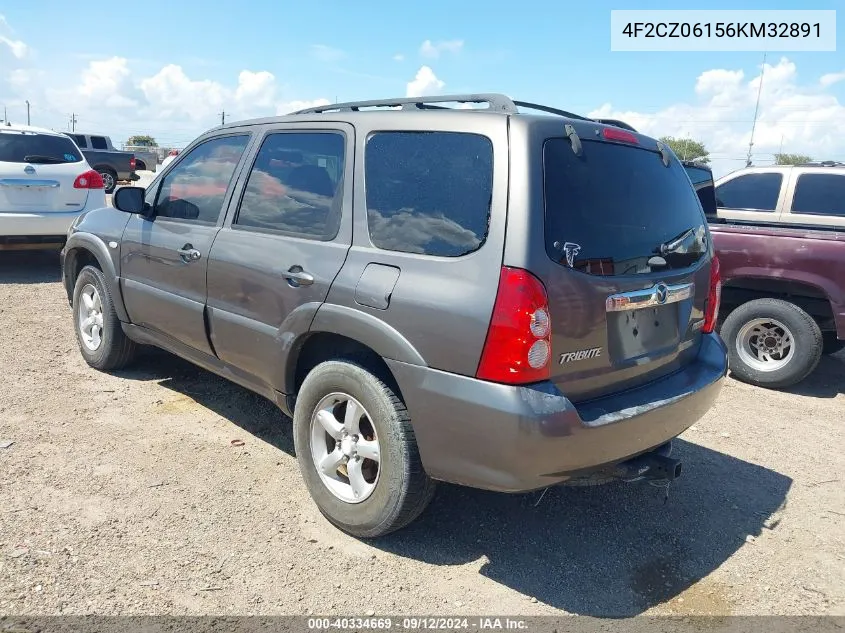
(655, 467)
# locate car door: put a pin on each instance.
(282, 246)
(752, 196)
(164, 258)
(817, 197)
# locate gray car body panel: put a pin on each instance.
(427, 317)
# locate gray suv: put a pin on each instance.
(471, 295)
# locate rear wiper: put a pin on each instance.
(675, 243)
(40, 158)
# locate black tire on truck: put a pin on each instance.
(771, 343)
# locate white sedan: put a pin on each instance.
(45, 184)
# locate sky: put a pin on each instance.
(169, 69)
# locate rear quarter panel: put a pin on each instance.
(440, 305)
(813, 257)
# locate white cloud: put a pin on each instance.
(433, 50)
(18, 48)
(804, 118)
(107, 82)
(256, 89)
(424, 83)
(399, 57)
(294, 106)
(327, 54)
(832, 78)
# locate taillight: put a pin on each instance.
(615, 134)
(714, 297)
(132, 164)
(518, 347)
(89, 180)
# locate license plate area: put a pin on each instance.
(642, 331)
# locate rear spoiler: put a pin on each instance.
(616, 123)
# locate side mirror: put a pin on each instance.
(130, 200)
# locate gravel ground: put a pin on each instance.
(123, 494)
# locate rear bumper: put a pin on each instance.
(15, 226)
(516, 439)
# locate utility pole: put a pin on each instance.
(223, 118)
(27, 112)
(756, 110)
(73, 122)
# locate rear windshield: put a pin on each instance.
(26, 147)
(617, 210)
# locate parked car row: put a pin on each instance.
(495, 299)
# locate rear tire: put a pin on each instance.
(101, 340)
(397, 488)
(771, 343)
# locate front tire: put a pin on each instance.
(357, 452)
(771, 343)
(101, 340)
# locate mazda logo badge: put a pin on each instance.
(662, 293)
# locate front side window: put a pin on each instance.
(428, 192)
(295, 185)
(196, 188)
(755, 192)
(820, 194)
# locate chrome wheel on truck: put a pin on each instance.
(771, 343)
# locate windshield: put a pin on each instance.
(618, 210)
(28, 147)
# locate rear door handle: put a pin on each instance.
(188, 253)
(298, 277)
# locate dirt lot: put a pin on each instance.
(123, 494)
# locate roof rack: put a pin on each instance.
(822, 163)
(495, 103)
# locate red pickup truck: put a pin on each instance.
(781, 246)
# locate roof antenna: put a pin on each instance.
(756, 110)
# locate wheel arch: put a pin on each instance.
(810, 296)
(83, 249)
(338, 331)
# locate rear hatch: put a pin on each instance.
(37, 172)
(631, 244)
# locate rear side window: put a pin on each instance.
(820, 194)
(98, 142)
(609, 210)
(16, 147)
(428, 192)
(757, 192)
(294, 185)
